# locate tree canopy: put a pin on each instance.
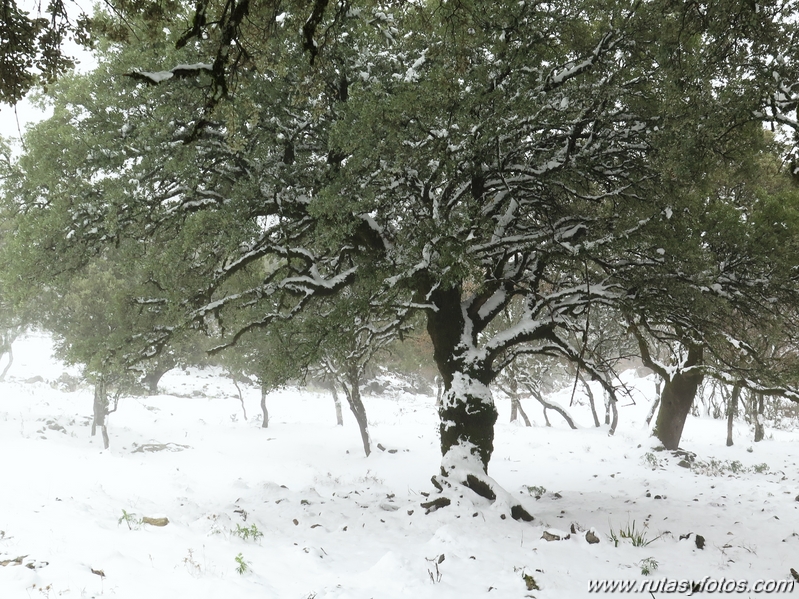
(442, 158)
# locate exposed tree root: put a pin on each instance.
(462, 475)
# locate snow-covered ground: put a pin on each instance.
(323, 521)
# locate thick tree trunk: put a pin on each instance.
(732, 410)
(264, 411)
(677, 398)
(468, 415)
(467, 410)
(100, 410)
(353, 393)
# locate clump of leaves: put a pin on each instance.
(528, 579)
(242, 565)
(247, 532)
(648, 565)
(133, 521)
(530, 582)
(635, 535)
(535, 491)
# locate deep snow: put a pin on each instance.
(338, 525)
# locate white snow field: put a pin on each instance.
(323, 521)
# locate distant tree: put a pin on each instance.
(723, 300)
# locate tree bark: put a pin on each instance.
(353, 394)
(264, 411)
(677, 398)
(468, 415)
(467, 410)
(732, 410)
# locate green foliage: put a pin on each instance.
(133, 521)
(648, 565)
(247, 532)
(315, 195)
(636, 536)
(715, 467)
(242, 565)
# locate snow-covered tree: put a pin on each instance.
(445, 158)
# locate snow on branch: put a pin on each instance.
(179, 72)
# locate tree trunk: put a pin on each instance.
(732, 410)
(467, 410)
(516, 404)
(547, 423)
(513, 391)
(655, 404)
(677, 398)
(551, 406)
(6, 347)
(439, 391)
(760, 430)
(353, 394)
(337, 403)
(614, 411)
(264, 411)
(590, 395)
(100, 410)
(10, 353)
(468, 415)
(153, 377)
